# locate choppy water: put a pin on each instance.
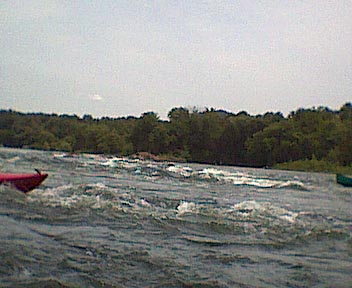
(117, 222)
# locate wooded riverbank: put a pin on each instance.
(308, 139)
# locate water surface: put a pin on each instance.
(117, 222)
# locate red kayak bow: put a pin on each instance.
(23, 182)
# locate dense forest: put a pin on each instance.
(210, 136)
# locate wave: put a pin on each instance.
(181, 172)
(100, 197)
(253, 208)
(197, 221)
(236, 178)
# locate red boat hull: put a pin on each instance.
(23, 182)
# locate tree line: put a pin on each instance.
(210, 136)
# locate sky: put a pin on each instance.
(121, 58)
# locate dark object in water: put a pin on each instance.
(344, 180)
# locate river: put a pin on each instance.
(100, 221)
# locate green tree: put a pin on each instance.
(179, 131)
(148, 134)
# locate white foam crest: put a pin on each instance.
(12, 160)
(71, 195)
(98, 203)
(51, 192)
(144, 203)
(257, 182)
(186, 207)
(54, 196)
(216, 173)
(239, 178)
(59, 155)
(98, 160)
(247, 207)
(184, 171)
(253, 208)
(120, 162)
(113, 162)
(295, 183)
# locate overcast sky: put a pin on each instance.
(118, 58)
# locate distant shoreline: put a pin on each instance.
(315, 140)
(313, 165)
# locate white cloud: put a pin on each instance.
(96, 97)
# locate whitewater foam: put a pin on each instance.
(253, 208)
(186, 207)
